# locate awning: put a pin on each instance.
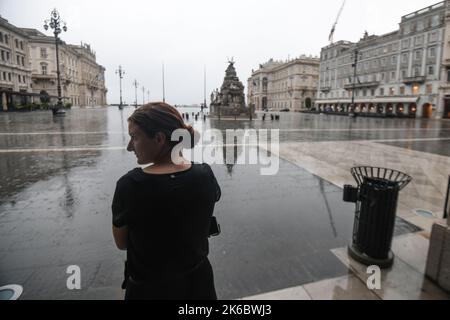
(371, 100)
(396, 100)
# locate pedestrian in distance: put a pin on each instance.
(162, 214)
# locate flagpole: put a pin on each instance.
(164, 88)
(204, 88)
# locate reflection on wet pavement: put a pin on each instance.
(277, 230)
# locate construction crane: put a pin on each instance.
(330, 38)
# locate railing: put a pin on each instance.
(422, 11)
(43, 76)
(410, 80)
(370, 84)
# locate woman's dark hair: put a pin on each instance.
(161, 117)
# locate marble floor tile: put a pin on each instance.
(401, 282)
(405, 211)
(296, 293)
(422, 222)
(412, 249)
(347, 287)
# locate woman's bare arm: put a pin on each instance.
(120, 237)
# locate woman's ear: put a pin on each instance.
(160, 138)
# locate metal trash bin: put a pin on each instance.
(376, 200)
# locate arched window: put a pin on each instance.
(308, 103)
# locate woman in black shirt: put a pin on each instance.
(162, 213)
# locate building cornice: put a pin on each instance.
(7, 25)
(422, 12)
(313, 62)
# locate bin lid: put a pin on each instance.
(383, 175)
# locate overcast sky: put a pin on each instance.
(191, 34)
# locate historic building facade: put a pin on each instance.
(15, 72)
(28, 69)
(284, 85)
(82, 79)
(445, 85)
(91, 79)
(401, 73)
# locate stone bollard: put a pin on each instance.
(438, 260)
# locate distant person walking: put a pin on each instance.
(162, 214)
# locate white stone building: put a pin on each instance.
(402, 73)
(90, 77)
(284, 85)
(15, 72)
(445, 68)
(82, 79)
(28, 68)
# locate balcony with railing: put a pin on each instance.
(415, 79)
(42, 76)
(368, 84)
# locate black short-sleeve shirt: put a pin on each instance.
(168, 218)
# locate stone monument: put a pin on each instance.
(230, 100)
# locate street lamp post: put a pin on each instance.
(55, 23)
(148, 95)
(135, 84)
(250, 105)
(121, 73)
(143, 95)
(203, 106)
(356, 56)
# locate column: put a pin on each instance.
(438, 62)
(399, 60)
(336, 86)
(424, 60)
(405, 109)
(440, 106)
(411, 57)
(4, 102)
